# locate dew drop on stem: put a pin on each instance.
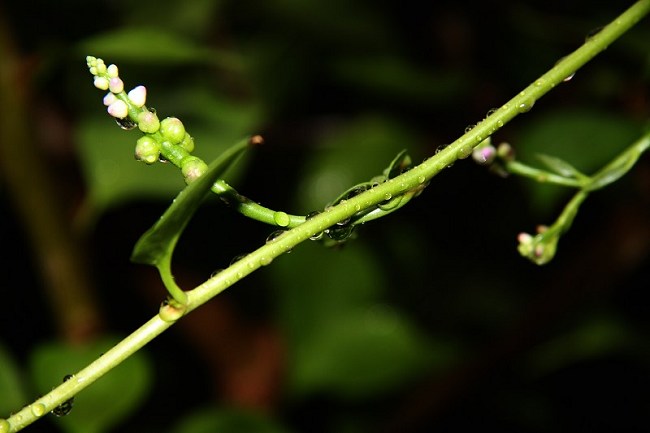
(274, 235)
(38, 409)
(65, 407)
(237, 258)
(126, 123)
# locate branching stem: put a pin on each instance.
(408, 181)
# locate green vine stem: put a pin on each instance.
(408, 181)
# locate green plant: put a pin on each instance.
(359, 204)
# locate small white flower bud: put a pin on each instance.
(118, 109)
(109, 99)
(138, 96)
(101, 83)
(112, 71)
(116, 85)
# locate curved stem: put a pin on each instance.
(413, 179)
(541, 176)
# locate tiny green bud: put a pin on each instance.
(193, 168)
(187, 143)
(147, 150)
(148, 122)
(171, 311)
(172, 129)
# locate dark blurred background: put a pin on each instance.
(428, 320)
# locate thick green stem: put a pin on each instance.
(412, 179)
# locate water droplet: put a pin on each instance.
(539, 83)
(215, 273)
(126, 123)
(567, 79)
(274, 235)
(4, 426)
(421, 179)
(237, 258)
(317, 236)
(251, 265)
(388, 196)
(357, 207)
(65, 407)
(281, 219)
(38, 409)
(526, 106)
(264, 261)
(463, 152)
(469, 128)
(312, 214)
(500, 123)
(441, 148)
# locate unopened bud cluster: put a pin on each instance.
(129, 110)
(539, 248)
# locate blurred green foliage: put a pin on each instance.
(429, 309)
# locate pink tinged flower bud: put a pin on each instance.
(484, 155)
(525, 238)
(118, 109)
(148, 122)
(116, 85)
(193, 168)
(112, 71)
(101, 83)
(138, 96)
(109, 99)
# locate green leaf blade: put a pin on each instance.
(156, 246)
(560, 166)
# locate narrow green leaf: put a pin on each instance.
(619, 166)
(156, 246)
(560, 166)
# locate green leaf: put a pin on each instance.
(105, 403)
(330, 284)
(621, 165)
(157, 245)
(153, 45)
(364, 354)
(226, 421)
(588, 138)
(110, 172)
(598, 336)
(560, 166)
(12, 388)
(351, 153)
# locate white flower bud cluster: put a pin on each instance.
(117, 102)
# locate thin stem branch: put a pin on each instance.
(412, 179)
